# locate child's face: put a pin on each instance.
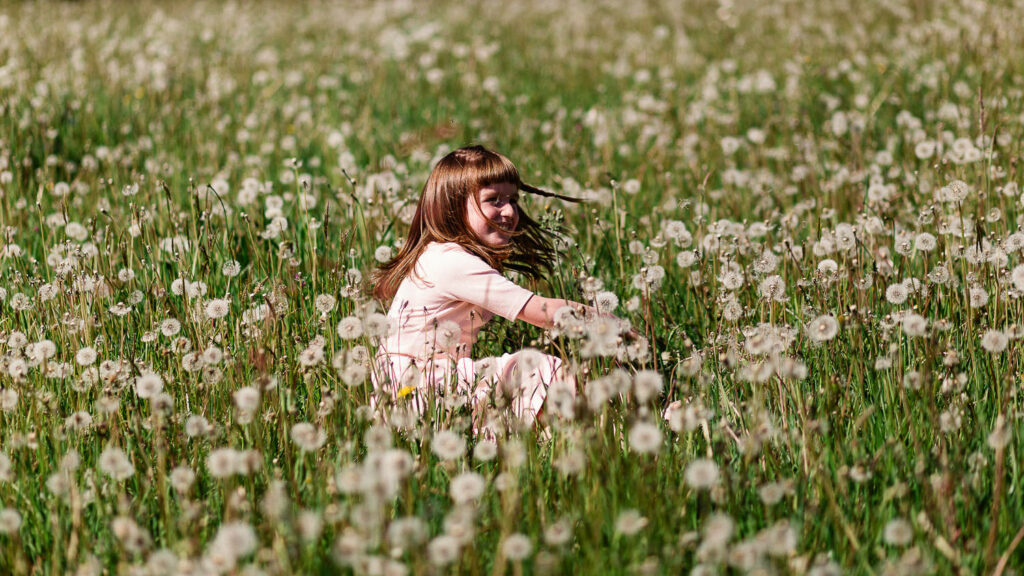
(499, 203)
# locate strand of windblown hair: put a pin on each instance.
(546, 194)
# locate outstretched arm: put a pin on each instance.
(540, 311)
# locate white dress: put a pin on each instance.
(434, 320)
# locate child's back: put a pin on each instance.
(451, 294)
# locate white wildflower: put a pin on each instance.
(516, 547)
(350, 328)
(307, 437)
(645, 438)
(467, 487)
(629, 522)
(115, 463)
(823, 328)
(898, 532)
(448, 445)
(217, 308)
(701, 474)
(85, 356)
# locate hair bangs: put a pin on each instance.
(494, 168)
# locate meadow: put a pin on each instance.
(810, 211)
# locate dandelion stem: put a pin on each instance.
(997, 495)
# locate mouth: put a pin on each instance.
(502, 235)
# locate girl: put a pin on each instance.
(446, 283)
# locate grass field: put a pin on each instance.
(811, 211)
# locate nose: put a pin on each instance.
(509, 212)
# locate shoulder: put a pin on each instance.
(451, 253)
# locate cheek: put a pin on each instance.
(476, 221)
(474, 215)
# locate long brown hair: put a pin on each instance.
(441, 217)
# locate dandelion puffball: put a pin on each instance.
(823, 328)
(701, 474)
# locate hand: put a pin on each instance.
(631, 336)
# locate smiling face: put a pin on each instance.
(494, 214)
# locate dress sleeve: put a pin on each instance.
(463, 276)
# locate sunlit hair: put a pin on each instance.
(441, 217)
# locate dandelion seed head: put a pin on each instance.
(514, 452)
(231, 268)
(10, 520)
(915, 325)
(630, 522)
(731, 280)
(354, 375)
(196, 426)
(307, 437)
(17, 340)
(443, 550)
(606, 302)
(217, 308)
(382, 254)
(309, 525)
(645, 438)
(115, 463)
(896, 293)
(516, 547)
(485, 450)
(406, 532)
(85, 356)
(234, 540)
(6, 468)
(558, 534)
(823, 328)
(778, 540)
(377, 438)
(350, 328)
(828, 267)
(771, 493)
(925, 242)
(162, 562)
(898, 532)
(467, 487)
(448, 445)
(686, 258)
(1017, 277)
(223, 462)
(246, 399)
(324, 303)
(311, 356)
(994, 341)
(773, 289)
(701, 474)
(950, 421)
(377, 325)
(149, 385)
(647, 384)
(977, 297)
(924, 149)
(1001, 434)
(957, 191)
(182, 478)
(445, 335)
